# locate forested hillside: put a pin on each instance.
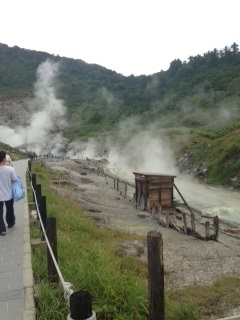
(194, 103)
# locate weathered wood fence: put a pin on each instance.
(169, 218)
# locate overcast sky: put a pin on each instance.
(127, 36)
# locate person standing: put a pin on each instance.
(9, 161)
(7, 176)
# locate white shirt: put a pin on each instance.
(7, 175)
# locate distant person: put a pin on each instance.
(7, 176)
(9, 161)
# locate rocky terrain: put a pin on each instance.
(187, 260)
(16, 110)
(200, 170)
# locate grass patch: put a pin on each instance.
(212, 301)
(50, 303)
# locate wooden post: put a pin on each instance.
(207, 230)
(117, 184)
(184, 222)
(43, 212)
(114, 184)
(148, 205)
(134, 200)
(80, 305)
(125, 190)
(34, 184)
(34, 180)
(29, 174)
(154, 212)
(174, 217)
(167, 219)
(193, 222)
(29, 166)
(52, 237)
(136, 193)
(142, 203)
(216, 226)
(38, 190)
(155, 275)
(159, 208)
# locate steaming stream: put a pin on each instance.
(211, 200)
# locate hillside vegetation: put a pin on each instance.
(195, 103)
(15, 153)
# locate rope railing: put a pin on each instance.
(74, 299)
(66, 285)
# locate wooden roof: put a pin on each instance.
(154, 174)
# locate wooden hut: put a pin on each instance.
(154, 189)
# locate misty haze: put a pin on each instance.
(136, 142)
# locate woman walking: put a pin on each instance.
(7, 176)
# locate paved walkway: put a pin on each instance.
(16, 278)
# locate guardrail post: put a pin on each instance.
(29, 169)
(81, 306)
(34, 180)
(43, 212)
(155, 275)
(52, 237)
(34, 184)
(38, 191)
(193, 222)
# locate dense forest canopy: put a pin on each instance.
(88, 90)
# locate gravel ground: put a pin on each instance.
(187, 261)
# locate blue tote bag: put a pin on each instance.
(17, 190)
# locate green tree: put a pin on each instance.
(235, 50)
(234, 87)
(174, 66)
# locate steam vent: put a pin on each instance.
(154, 189)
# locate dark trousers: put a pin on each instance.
(10, 217)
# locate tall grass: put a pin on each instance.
(89, 259)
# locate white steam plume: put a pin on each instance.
(143, 153)
(134, 148)
(42, 133)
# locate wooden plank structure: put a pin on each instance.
(154, 189)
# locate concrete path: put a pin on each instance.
(16, 277)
